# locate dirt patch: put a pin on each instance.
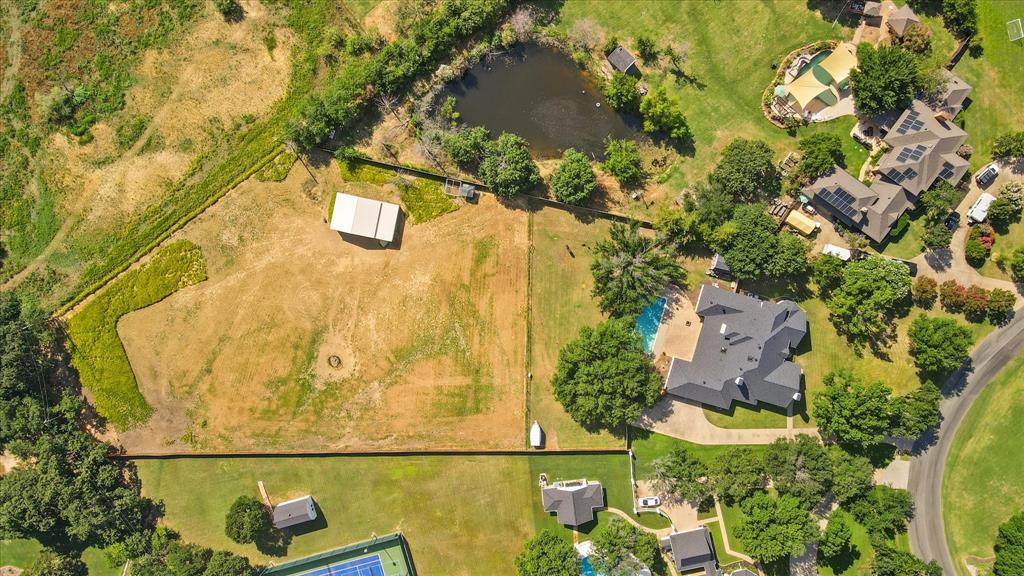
(382, 18)
(429, 337)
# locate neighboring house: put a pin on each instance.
(922, 148)
(719, 267)
(954, 93)
(574, 501)
(742, 352)
(294, 512)
(900, 19)
(691, 551)
(365, 217)
(622, 61)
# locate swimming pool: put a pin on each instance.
(586, 568)
(648, 321)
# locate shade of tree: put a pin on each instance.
(247, 520)
(630, 269)
(755, 249)
(604, 378)
(51, 563)
(1000, 305)
(852, 475)
(872, 292)
(227, 564)
(916, 411)
(619, 546)
(229, 9)
(775, 528)
(883, 512)
(961, 16)
(938, 345)
(821, 153)
(1017, 264)
(853, 412)
(892, 562)
(621, 92)
(682, 476)
(508, 169)
(661, 114)
(737, 474)
(827, 272)
(573, 181)
(1010, 547)
(885, 78)
(1009, 145)
(622, 160)
(747, 171)
(547, 554)
(468, 147)
(835, 541)
(924, 291)
(800, 468)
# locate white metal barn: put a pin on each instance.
(365, 217)
(294, 512)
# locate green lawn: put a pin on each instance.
(731, 68)
(858, 561)
(649, 446)
(482, 507)
(1006, 242)
(909, 244)
(22, 553)
(998, 95)
(982, 483)
(560, 304)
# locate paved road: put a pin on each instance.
(927, 533)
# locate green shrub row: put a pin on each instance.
(96, 349)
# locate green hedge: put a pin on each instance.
(96, 349)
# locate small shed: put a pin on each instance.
(719, 267)
(803, 224)
(623, 61)
(365, 217)
(536, 435)
(292, 512)
(837, 251)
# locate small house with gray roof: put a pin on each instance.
(954, 94)
(692, 551)
(742, 352)
(573, 502)
(622, 61)
(923, 146)
(901, 19)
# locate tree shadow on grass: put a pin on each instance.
(843, 562)
(274, 542)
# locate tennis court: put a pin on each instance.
(369, 566)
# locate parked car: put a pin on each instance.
(650, 502)
(953, 220)
(986, 176)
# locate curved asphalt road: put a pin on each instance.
(927, 533)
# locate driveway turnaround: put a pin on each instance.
(686, 421)
(927, 532)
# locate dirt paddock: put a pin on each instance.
(430, 336)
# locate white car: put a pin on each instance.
(650, 502)
(986, 176)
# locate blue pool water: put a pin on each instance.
(648, 321)
(586, 568)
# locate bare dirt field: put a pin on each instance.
(430, 334)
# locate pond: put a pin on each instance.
(540, 94)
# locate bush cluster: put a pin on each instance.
(976, 302)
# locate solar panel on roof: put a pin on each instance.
(909, 123)
(910, 173)
(947, 171)
(904, 154)
(895, 175)
(917, 152)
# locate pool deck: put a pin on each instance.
(679, 328)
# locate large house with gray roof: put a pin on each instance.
(573, 502)
(923, 147)
(692, 551)
(742, 352)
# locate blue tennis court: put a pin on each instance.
(368, 566)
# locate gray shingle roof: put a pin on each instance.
(901, 18)
(692, 549)
(294, 512)
(622, 60)
(954, 94)
(573, 505)
(741, 353)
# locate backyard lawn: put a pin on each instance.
(560, 304)
(1006, 242)
(998, 95)
(22, 553)
(981, 488)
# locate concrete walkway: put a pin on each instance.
(686, 421)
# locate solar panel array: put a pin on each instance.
(947, 171)
(911, 123)
(841, 200)
(909, 153)
(898, 177)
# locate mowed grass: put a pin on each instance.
(998, 96)
(1007, 240)
(729, 52)
(461, 515)
(96, 349)
(22, 552)
(858, 561)
(982, 484)
(560, 304)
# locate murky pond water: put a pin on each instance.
(543, 96)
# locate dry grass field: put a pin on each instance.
(431, 334)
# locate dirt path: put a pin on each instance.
(686, 421)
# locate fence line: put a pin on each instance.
(362, 453)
